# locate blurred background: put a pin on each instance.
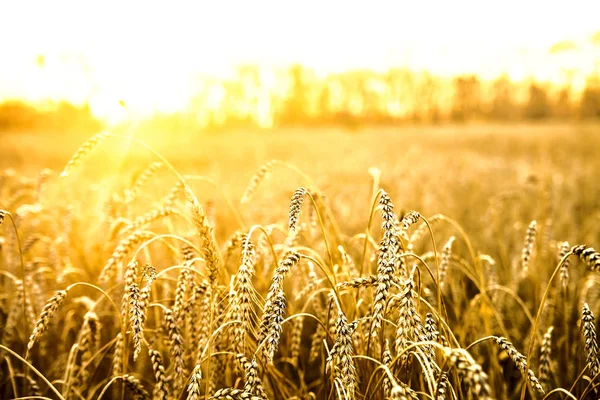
(490, 91)
(198, 66)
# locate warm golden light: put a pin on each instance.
(159, 59)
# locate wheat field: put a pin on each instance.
(424, 263)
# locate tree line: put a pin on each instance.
(297, 96)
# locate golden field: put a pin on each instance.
(409, 264)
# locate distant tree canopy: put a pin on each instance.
(364, 97)
(299, 97)
(61, 117)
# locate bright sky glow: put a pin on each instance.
(151, 54)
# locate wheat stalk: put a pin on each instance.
(253, 383)
(520, 361)
(233, 394)
(528, 246)
(135, 386)
(564, 268)
(385, 262)
(243, 298)
(136, 318)
(176, 348)
(83, 151)
(193, 389)
(409, 325)
(445, 261)
(205, 233)
(296, 340)
(161, 390)
(402, 392)
(359, 282)
(545, 358)
(151, 216)
(46, 315)
(271, 325)
(274, 308)
(120, 252)
(340, 358)
(410, 218)
(442, 389)
(588, 255)
(261, 174)
(14, 313)
(471, 372)
(142, 179)
(117, 360)
(386, 359)
(181, 289)
(295, 208)
(588, 326)
(88, 343)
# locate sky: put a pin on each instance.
(149, 52)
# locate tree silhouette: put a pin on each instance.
(538, 104)
(503, 105)
(467, 98)
(590, 98)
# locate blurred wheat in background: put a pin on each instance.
(299, 201)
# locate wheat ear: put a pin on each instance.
(546, 357)
(520, 361)
(385, 262)
(589, 335)
(83, 151)
(47, 313)
(528, 246)
(160, 391)
(588, 255)
(259, 176)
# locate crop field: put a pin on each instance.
(450, 262)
